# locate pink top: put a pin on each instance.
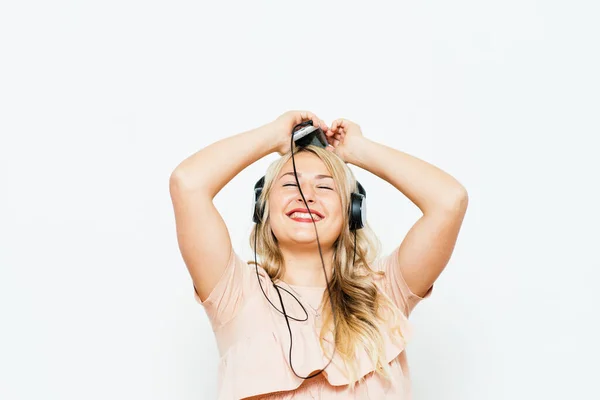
(253, 339)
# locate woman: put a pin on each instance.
(275, 321)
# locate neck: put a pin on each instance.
(303, 267)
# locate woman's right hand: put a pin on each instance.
(283, 125)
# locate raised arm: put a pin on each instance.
(427, 247)
(202, 235)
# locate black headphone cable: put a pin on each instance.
(277, 287)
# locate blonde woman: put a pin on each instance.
(322, 315)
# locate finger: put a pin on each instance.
(319, 123)
(322, 125)
(334, 125)
(307, 115)
(298, 116)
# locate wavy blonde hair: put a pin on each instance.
(359, 305)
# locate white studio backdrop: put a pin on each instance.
(99, 101)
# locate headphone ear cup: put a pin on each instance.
(258, 209)
(256, 218)
(358, 211)
(257, 214)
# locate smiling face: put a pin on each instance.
(322, 196)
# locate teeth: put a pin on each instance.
(304, 215)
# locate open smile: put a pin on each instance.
(301, 216)
(306, 219)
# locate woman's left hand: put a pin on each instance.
(344, 138)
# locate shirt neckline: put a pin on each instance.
(301, 287)
(307, 287)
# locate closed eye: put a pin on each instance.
(322, 187)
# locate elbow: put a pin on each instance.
(178, 181)
(176, 175)
(454, 201)
(459, 201)
(182, 182)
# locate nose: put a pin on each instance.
(309, 195)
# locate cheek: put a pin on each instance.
(275, 203)
(336, 207)
(335, 210)
(276, 211)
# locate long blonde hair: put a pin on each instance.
(359, 305)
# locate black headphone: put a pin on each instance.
(358, 219)
(357, 209)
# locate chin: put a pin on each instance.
(310, 238)
(304, 234)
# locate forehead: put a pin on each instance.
(307, 164)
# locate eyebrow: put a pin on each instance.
(300, 174)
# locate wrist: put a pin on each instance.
(360, 148)
(266, 135)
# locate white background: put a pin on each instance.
(99, 101)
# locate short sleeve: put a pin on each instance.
(225, 299)
(395, 285)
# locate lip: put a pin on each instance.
(305, 220)
(304, 210)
